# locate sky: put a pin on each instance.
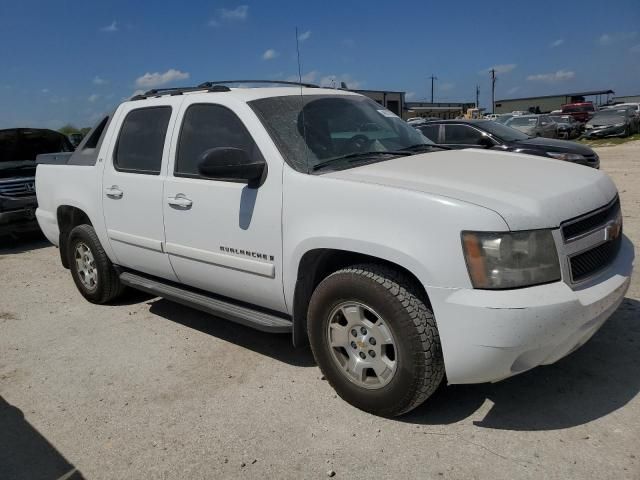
(70, 61)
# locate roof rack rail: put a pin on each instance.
(275, 82)
(157, 92)
(217, 86)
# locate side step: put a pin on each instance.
(266, 322)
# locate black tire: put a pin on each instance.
(420, 366)
(108, 286)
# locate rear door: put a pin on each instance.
(133, 182)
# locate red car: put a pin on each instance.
(581, 111)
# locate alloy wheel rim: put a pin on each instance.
(86, 266)
(362, 345)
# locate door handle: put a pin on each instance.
(180, 201)
(113, 192)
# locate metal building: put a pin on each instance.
(548, 103)
(391, 100)
(437, 109)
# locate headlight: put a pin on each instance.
(571, 157)
(497, 260)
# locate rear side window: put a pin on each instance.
(207, 126)
(141, 141)
(431, 132)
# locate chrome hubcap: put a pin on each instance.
(362, 345)
(86, 266)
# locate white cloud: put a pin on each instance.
(112, 27)
(445, 87)
(308, 77)
(152, 80)
(238, 13)
(503, 68)
(270, 54)
(99, 80)
(610, 38)
(45, 90)
(556, 43)
(93, 97)
(512, 90)
(304, 36)
(635, 49)
(409, 95)
(557, 76)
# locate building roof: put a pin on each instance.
(374, 91)
(574, 94)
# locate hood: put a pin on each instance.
(523, 128)
(19, 168)
(529, 192)
(555, 145)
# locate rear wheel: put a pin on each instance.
(91, 269)
(375, 339)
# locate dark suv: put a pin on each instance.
(18, 150)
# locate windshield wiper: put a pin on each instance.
(352, 157)
(421, 146)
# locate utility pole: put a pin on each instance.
(432, 77)
(478, 96)
(493, 90)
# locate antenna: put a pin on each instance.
(304, 123)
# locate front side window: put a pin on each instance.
(462, 135)
(206, 126)
(342, 130)
(141, 141)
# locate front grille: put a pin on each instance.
(591, 221)
(590, 262)
(20, 188)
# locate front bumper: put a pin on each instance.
(605, 132)
(490, 335)
(17, 215)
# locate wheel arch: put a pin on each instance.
(68, 218)
(318, 263)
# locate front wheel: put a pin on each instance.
(375, 339)
(91, 269)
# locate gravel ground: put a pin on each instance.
(150, 389)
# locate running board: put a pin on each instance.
(249, 317)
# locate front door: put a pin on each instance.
(223, 236)
(132, 183)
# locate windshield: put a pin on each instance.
(503, 132)
(562, 119)
(523, 122)
(25, 144)
(334, 127)
(503, 118)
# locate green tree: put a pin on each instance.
(68, 129)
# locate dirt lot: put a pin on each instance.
(149, 389)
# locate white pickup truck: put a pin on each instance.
(319, 213)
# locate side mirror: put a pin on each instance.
(232, 164)
(486, 142)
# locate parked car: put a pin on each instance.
(491, 116)
(568, 126)
(504, 118)
(581, 111)
(534, 125)
(396, 260)
(487, 134)
(75, 139)
(18, 150)
(613, 122)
